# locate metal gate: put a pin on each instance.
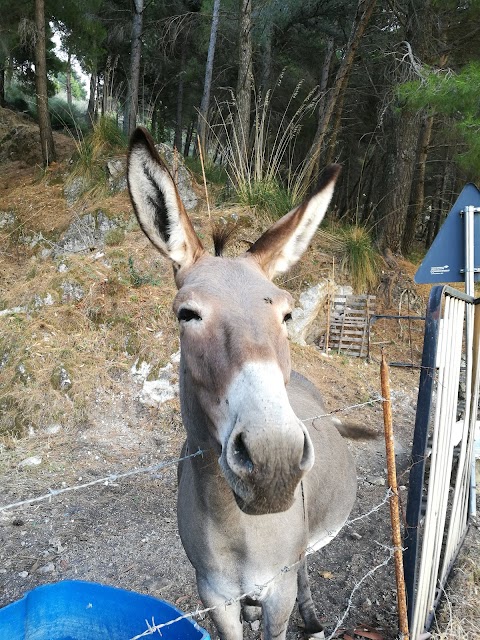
(443, 451)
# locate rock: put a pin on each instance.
(86, 233)
(23, 574)
(161, 388)
(60, 379)
(304, 316)
(22, 142)
(377, 481)
(52, 429)
(47, 568)
(22, 373)
(12, 311)
(155, 392)
(255, 625)
(7, 219)
(71, 291)
(33, 461)
(183, 178)
(39, 302)
(117, 174)
(74, 188)
(354, 535)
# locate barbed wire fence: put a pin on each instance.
(151, 628)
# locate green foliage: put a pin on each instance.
(78, 89)
(65, 117)
(214, 173)
(137, 279)
(18, 98)
(267, 197)
(360, 258)
(457, 96)
(103, 141)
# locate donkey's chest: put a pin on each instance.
(220, 539)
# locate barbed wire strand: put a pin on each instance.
(257, 590)
(110, 479)
(345, 409)
(152, 628)
(357, 587)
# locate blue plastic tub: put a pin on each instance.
(76, 610)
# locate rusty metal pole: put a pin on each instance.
(394, 501)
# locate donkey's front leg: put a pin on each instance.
(277, 606)
(226, 618)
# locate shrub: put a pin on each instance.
(360, 258)
(103, 141)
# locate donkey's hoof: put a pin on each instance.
(320, 635)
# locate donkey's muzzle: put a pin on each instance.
(264, 465)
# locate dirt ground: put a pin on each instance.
(124, 533)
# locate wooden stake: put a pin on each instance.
(394, 501)
(203, 173)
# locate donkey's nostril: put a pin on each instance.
(241, 455)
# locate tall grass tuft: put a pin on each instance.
(263, 173)
(360, 258)
(103, 141)
(357, 256)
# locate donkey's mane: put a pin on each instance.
(222, 236)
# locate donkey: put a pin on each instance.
(270, 486)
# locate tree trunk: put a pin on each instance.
(398, 176)
(205, 103)
(244, 82)
(2, 87)
(327, 62)
(131, 106)
(418, 190)
(267, 58)
(188, 139)
(46, 136)
(91, 100)
(68, 81)
(405, 129)
(362, 18)
(178, 124)
(323, 84)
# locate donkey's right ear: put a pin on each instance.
(157, 204)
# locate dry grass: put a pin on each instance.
(96, 339)
(459, 615)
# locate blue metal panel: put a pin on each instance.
(445, 260)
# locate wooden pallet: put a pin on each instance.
(349, 317)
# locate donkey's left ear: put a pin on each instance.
(283, 244)
(157, 204)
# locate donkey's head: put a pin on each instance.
(235, 359)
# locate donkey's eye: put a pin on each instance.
(287, 317)
(187, 315)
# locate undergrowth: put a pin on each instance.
(354, 248)
(102, 142)
(263, 173)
